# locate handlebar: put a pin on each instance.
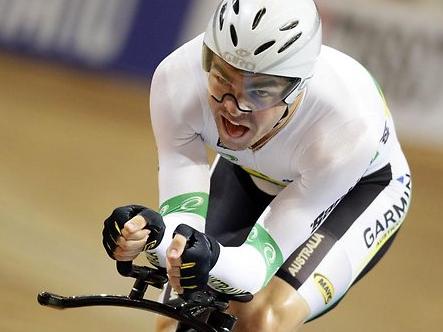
(202, 303)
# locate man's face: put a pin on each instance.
(234, 89)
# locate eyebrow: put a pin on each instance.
(220, 69)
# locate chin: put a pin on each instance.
(235, 146)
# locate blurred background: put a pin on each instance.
(76, 141)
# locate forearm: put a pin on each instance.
(189, 209)
(238, 270)
(247, 268)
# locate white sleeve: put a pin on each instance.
(183, 163)
(329, 167)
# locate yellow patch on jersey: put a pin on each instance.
(324, 285)
(263, 176)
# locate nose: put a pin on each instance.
(230, 104)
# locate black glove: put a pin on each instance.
(116, 221)
(199, 257)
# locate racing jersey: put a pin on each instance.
(341, 132)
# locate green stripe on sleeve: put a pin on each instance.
(196, 203)
(261, 240)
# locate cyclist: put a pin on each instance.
(309, 186)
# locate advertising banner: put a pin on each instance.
(402, 47)
(124, 35)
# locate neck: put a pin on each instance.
(287, 116)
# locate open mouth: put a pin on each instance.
(233, 129)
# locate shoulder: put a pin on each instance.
(184, 61)
(343, 92)
(178, 86)
(343, 83)
(343, 114)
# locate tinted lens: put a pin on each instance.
(252, 92)
(266, 92)
(219, 88)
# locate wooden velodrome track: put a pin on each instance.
(74, 145)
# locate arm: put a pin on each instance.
(183, 167)
(183, 162)
(329, 167)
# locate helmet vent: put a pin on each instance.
(289, 25)
(264, 47)
(222, 16)
(258, 18)
(234, 37)
(289, 43)
(236, 6)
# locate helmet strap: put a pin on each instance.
(285, 114)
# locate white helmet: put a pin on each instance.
(275, 37)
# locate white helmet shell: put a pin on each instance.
(275, 37)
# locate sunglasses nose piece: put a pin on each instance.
(225, 98)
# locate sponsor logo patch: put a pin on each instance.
(324, 285)
(263, 177)
(223, 287)
(229, 157)
(389, 221)
(238, 60)
(196, 203)
(305, 253)
(386, 134)
(261, 240)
